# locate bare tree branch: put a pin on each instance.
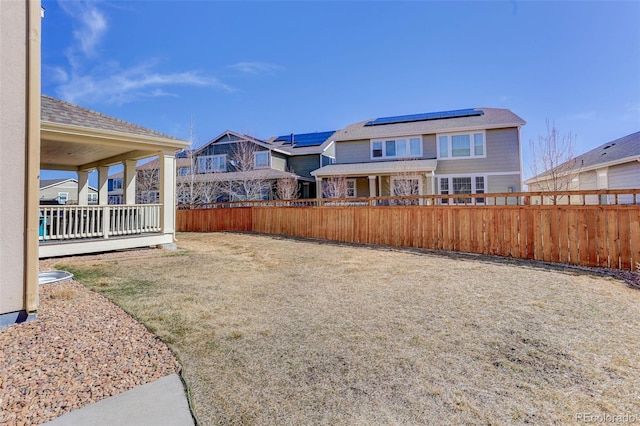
(287, 188)
(335, 187)
(553, 165)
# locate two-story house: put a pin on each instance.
(469, 151)
(244, 167)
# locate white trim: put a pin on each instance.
(471, 176)
(393, 179)
(204, 157)
(355, 187)
(478, 174)
(255, 162)
(395, 139)
(471, 135)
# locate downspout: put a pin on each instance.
(34, 16)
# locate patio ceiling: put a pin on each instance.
(66, 147)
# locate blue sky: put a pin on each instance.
(270, 68)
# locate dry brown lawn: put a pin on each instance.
(281, 331)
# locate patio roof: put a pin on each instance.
(376, 168)
(76, 138)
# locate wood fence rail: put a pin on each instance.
(586, 235)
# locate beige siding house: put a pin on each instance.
(612, 165)
(19, 153)
(450, 152)
(64, 191)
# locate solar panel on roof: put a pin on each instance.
(305, 139)
(469, 112)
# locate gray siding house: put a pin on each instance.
(612, 165)
(64, 191)
(450, 152)
(232, 158)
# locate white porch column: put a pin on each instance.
(83, 188)
(167, 191)
(103, 185)
(130, 182)
(318, 187)
(372, 188)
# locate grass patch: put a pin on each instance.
(273, 331)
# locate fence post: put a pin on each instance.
(105, 222)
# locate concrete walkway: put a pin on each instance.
(162, 402)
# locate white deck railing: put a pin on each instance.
(77, 222)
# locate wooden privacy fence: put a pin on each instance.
(586, 235)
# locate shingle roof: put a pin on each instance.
(626, 146)
(491, 118)
(379, 167)
(44, 183)
(57, 111)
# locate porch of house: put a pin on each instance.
(79, 140)
(377, 179)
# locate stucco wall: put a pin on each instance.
(13, 133)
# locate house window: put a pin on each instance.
(261, 159)
(212, 163)
(409, 147)
(351, 188)
(149, 197)
(93, 198)
(462, 185)
(117, 184)
(183, 171)
(63, 197)
(462, 145)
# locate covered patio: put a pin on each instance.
(79, 140)
(384, 178)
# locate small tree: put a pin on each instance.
(193, 187)
(249, 183)
(148, 182)
(553, 164)
(287, 187)
(335, 187)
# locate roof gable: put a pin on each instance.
(229, 136)
(431, 123)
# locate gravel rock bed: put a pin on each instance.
(81, 349)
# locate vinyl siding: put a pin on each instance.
(353, 152)
(72, 189)
(503, 154)
(588, 180)
(625, 176)
(303, 165)
(227, 149)
(502, 183)
(278, 161)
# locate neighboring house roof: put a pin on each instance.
(490, 118)
(240, 137)
(57, 111)
(48, 183)
(622, 150)
(379, 167)
(304, 143)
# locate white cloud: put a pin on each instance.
(90, 24)
(111, 84)
(91, 78)
(256, 67)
